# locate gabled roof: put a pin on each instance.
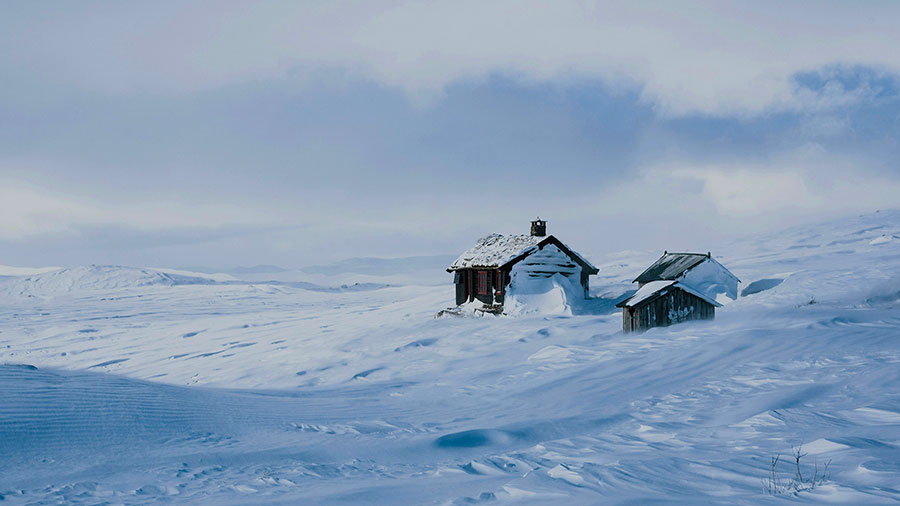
(496, 250)
(653, 289)
(670, 266)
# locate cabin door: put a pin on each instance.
(483, 286)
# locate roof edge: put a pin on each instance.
(556, 242)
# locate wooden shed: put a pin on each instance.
(664, 303)
(678, 287)
(483, 272)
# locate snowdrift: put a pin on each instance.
(541, 296)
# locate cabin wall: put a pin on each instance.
(673, 307)
(467, 287)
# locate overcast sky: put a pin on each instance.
(221, 134)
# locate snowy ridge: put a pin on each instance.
(94, 279)
(97, 278)
(364, 397)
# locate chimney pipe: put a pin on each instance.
(539, 227)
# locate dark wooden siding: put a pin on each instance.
(459, 279)
(466, 282)
(671, 307)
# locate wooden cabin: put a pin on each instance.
(483, 272)
(676, 288)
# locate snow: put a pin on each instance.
(711, 279)
(653, 287)
(133, 386)
(533, 290)
(883, 239)
(648, 290)
(220, 277)
(546, 296)
(96, 278)
(495, 250)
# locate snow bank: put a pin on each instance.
(711, 279)
(882, 239)
(547, 296)
(885, 292)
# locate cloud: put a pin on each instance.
(701, 57)
(744, 192)
(167, 133)
(29, 211)
(795, 185)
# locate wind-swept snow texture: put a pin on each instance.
(121, 387)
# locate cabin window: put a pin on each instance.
(498, 280)
(483, 282)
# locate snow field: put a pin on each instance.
(258, 393)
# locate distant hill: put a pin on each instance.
(96, 277)
(256, 269)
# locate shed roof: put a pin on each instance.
(496, 250)
(645, 292)
(659, 287)
(670, 266)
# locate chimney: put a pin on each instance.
(539, 227)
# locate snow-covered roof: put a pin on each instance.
(494, 250)
(652, 288)
(645, 292)
(670, 266)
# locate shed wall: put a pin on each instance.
(673, 306)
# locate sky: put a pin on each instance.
(296, 133)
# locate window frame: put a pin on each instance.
(483, 283)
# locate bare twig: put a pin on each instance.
(798, 483)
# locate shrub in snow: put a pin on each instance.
(799, 483)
